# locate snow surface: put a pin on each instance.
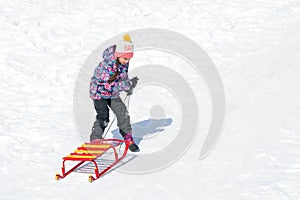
(255, 46)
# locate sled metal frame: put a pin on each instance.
(89, 152)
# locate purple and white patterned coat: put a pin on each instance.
(100, 88)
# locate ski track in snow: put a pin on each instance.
(255, 47)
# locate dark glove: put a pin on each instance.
(133, 83)
(129, 92)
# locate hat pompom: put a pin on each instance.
(127, 38)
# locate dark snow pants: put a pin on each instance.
(102, 119)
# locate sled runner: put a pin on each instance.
(89, 152)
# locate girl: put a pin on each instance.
(111, 77)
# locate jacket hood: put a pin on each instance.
(108, 54)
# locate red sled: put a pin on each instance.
(89, 152)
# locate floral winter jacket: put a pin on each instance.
(100, 88)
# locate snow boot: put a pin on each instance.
(132, 146)
(98, 130)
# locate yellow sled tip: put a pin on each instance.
(91, 179)
(57, 176)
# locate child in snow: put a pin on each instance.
(111, 77)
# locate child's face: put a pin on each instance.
(124, 61)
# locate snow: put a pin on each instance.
(254, 46)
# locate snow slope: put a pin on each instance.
(253, 44)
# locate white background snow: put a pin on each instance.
(255, 46)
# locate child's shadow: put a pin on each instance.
(145, 128)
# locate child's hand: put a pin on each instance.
(133, 82)
(129, 92)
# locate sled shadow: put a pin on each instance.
(145, 128)
(103, 163)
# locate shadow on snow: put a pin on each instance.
(143, 129)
